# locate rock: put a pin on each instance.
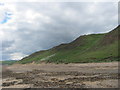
(68, 83)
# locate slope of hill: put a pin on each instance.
(85, 49)
(8, 62)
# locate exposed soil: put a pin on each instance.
(90, 75)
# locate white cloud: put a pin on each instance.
(60, 0)
(2, 14)
(37, 26)
(16, 56)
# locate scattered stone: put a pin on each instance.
(68, 83)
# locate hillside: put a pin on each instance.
(85, 49)
(8, 62)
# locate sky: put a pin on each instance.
(27, 27)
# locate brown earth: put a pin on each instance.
(89, 75)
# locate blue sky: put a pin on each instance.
(6, 18)
(5, 14)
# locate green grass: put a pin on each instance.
(87, 53)
(9, 62)
(36, 58)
